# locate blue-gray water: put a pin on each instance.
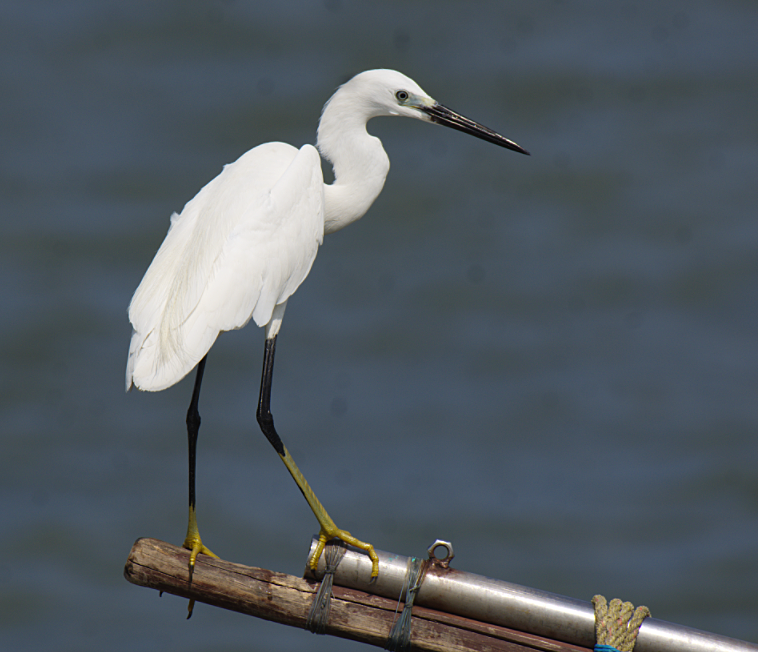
(551, 361)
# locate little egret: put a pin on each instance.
(246, 242)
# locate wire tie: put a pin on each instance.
(400, 635)
(318, 616)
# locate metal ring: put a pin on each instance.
(441, 561)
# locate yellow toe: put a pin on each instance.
(343, 535)
(196, 547)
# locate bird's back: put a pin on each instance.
(240, 247)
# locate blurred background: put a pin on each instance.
(550, 361)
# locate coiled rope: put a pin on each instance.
(617, 624)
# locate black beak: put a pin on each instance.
(444, 116)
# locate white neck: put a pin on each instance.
(359, 161)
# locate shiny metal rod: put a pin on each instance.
(510, 605)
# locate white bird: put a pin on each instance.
(246, 242)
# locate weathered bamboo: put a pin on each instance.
(287, 599)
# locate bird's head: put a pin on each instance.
(390, 93)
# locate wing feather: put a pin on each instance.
(241, 247)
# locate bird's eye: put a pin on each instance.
(402, 96)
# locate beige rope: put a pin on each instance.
(618, 623)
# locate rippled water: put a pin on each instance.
(551, 361)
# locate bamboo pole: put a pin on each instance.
(287, 599)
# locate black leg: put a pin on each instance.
(192, 541)
(266, 421)
(193, 428)
(265, 418)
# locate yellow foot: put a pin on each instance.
(348, 538)
(196, 547)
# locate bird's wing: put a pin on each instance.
(242, 246)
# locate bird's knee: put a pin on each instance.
(266, 422)
(193, 420)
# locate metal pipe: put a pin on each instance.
(510, 605)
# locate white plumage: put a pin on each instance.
(240, 248)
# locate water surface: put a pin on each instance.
(551, 361)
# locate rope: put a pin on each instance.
(617, 624)
(400, 636)
(318, 616)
